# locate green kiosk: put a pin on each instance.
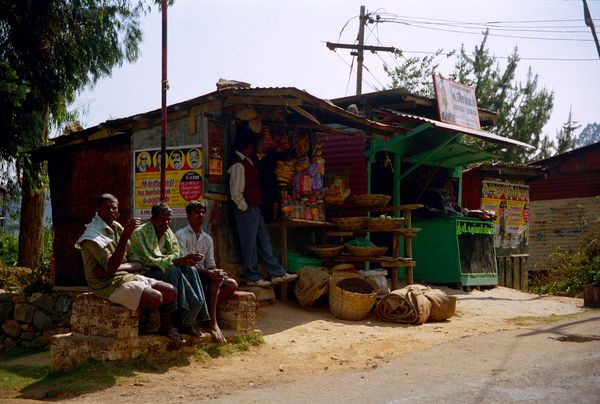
(428, 154)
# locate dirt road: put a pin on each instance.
(304, 343)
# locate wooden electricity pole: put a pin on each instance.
(360, 48)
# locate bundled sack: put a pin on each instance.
(416, 304)
(442, 306)
(312, 283)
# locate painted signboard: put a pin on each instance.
(511, 204)
(456, 102)
(183, 176)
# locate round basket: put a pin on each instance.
(325, 251)
(379, 224)
(351, 299)
(371, 200)
(366, 251)
(350, 223)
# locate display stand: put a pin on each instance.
(394, 262)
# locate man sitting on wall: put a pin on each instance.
(219, 285)
(154, 244)
(103, 247)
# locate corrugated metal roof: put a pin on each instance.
(455, 128)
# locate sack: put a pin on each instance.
(377, 278)
(442, 305)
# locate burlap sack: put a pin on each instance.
(312, 283)
(442, 305)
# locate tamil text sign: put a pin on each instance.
(456, 103)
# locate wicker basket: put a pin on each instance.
(350, 223)
(351, 298)
(359, 251)
(369, 200)
(379, 224)
(325, 251)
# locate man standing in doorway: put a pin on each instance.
(255, 244)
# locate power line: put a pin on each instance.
(522, 58)
(490, 34)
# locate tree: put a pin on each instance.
(545, 150)
(49, 51)
(522, 108)
(565, 138)
(590, 134)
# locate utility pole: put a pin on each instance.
(360, 48)
(359, 53)
(590, 23)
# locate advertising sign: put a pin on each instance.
(183, 177)
(456, 102)
(511, 204)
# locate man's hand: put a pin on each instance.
(190, 259)
(131, 225)
(216, 274)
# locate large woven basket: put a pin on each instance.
(325, 251)
(371, 200)
(351, 298)
(350, 223)
(359, 251)
(380, 224)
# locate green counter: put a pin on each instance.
(455, 250)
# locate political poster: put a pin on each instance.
(183, 178)
(511, 204)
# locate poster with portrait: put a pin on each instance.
(183, 178)
(511, 204)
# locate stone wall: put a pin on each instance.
(30, 320)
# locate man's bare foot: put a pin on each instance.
(217, 335)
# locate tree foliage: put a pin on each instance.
(565, 138)
(49, 51)
(522, 107)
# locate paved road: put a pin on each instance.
(558, 363)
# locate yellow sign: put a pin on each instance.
(183, 178)
(511, 204)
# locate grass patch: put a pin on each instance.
(17, 352)
(94, 375)
(238, 344)
(39, 383)
(529, 320)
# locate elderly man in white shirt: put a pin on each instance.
(192, 238)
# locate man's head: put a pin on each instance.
(176, 159)
(244, 139)
(194, 157)
(161, 218)
(195, 213)
(107, 207)
(144, 161)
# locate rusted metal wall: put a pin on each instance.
(78, 175)
(346, 153)
(570, 175)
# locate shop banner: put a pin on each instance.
(511, 204)
(456, 102)
(183, 178)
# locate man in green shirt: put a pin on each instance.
(103, 248)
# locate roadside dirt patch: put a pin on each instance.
(303, 342)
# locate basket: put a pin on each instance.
(350, 223)
(359, 251)
(326, 251)
(368, 200)
(351, 298)
(379, 224)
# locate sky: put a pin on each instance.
(274, 43)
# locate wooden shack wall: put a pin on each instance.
(78, 175)
(558, 223)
